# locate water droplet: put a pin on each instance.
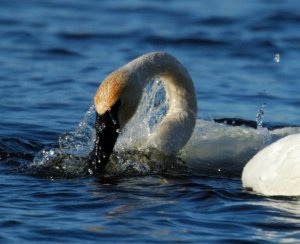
(277, 58)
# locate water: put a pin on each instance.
(244, 60)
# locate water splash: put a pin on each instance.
(150, 112)
(54, 163)
(69, 158)
(235, 145)
(259, 115)
(223, 149)
(80, 142)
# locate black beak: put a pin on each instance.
(107, 131)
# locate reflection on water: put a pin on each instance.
(283, 222)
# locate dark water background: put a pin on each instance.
(53, 55)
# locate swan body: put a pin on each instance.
(119, 95)
(275, 170)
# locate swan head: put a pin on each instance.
(116, 101)
(119, 86)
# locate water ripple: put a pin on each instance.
(54, 54)
(186, 41)
(61, 52)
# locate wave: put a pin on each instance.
(224, 149)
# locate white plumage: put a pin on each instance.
(127, 83)
(275, 170)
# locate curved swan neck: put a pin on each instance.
(118, 97)
(179, 122)
(177, 82)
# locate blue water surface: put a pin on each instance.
(53, 56)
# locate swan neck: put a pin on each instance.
(178, 124)
(177, 82)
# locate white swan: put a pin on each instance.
(119, 95)
(275, 170)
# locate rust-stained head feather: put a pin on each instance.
(109, 92)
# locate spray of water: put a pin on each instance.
(213, 146)
(151, 110)
(69, 158)
(260, 115)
